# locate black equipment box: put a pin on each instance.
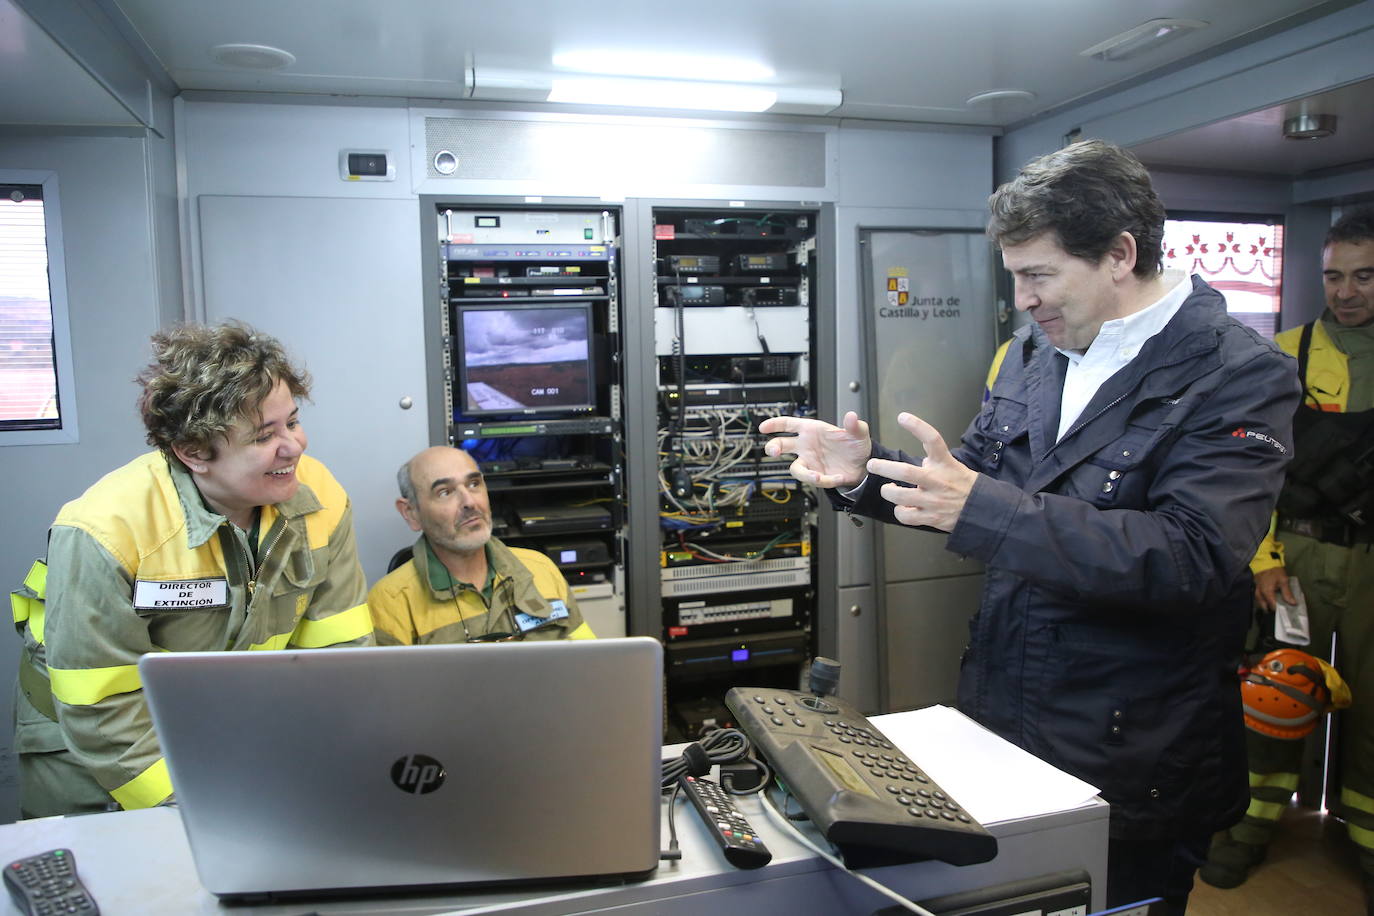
(693, 294)
(692, 263)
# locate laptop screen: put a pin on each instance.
(413, 766)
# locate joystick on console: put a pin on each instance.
(823, 680)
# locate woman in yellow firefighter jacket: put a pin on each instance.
(226, 537)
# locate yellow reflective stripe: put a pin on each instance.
(276, 642)
(582, 632)
(27, 605)
(146, 789)
(37, 579)
(84, 686)
(38, 618)
(1280, 780)
(20, 606)
(1363, 838)
(1263, 810)
(345, 626)
(30, 610)
(1353, 799)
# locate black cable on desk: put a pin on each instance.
(724, 745)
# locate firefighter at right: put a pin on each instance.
(1324, 538)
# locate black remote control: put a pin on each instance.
(742, 846)
(48, 884)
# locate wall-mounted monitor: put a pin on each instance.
(535, 360)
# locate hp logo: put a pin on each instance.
(417, 774)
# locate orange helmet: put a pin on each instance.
(1284, 694)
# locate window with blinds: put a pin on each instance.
(1240, 257)
(28, 365)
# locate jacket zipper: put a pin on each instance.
(253, 571)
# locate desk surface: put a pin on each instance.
(139, 862)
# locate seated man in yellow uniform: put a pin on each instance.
(462, 584)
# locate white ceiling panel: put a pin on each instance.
(893, 59)
(43, 85)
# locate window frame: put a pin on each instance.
(68, 432)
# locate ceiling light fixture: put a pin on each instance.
(1145, 37)
(693, 95)
(1000, 95)
(642, 93)
(252, 57)
(663, 66)
(1309, 127)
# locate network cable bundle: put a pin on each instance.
(733, 321)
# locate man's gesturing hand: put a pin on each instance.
(939, 486)
(827, 456)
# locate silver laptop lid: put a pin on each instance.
(409, 766)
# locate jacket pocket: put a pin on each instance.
(1004, 424)
(1108, 711)
(1110, 477)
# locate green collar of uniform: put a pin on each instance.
(202, 522)
(1350, 341)
(441, 581)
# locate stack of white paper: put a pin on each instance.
(993, 779)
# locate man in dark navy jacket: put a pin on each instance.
(1115, 485)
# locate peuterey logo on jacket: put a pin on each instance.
(418, 774)
(1240, 432)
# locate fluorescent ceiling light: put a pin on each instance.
(1144, 37)
(662, 94)
(663, 66)
(495, 84)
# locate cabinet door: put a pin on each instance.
(930, 318)
(338, 282)
(931, 328)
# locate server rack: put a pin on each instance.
(735, 297)
(531, 378)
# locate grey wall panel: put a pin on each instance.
(858, 652)
(894, 166)
(927, 629)
(558, 151)
(1224, 193)
(932, 327)
(851, 362)
(112, 295)
(338, 281)
(278, 149)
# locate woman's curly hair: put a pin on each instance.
(205, 378)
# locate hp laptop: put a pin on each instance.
(405, 767)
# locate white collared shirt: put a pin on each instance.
(1113, 349)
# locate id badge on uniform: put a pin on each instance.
(189, 595)
(526, 622)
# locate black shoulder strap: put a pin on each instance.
(1304, 347)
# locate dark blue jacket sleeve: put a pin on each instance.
(1208, 505)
